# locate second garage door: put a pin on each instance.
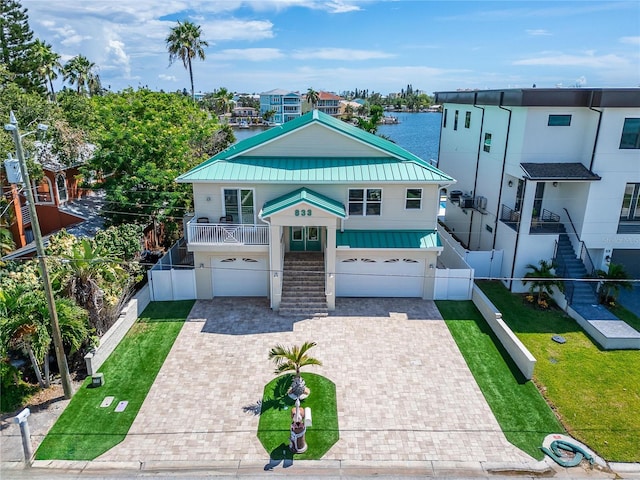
(240, 277)
(379, 277)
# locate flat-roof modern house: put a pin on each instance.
(313, 209)
(545, 174)
(285, 104)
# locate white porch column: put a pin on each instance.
(330, 268)
(275, 266)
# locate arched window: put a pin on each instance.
(44, 191)
(61, 185)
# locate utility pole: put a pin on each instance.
(12, 126)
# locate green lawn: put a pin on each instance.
(596, 393)
(275, 417)
(85, 430)
(523, 414)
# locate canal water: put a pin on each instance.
(417, 132)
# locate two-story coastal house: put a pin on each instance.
(286, 105)
(313, 209)
(545, 174)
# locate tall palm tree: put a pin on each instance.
(80, 71)
(293, 359)
(184, 43)
(48, 64)
(312, 98)
(542, 279)
(614, 279)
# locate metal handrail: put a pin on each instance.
(584, 252)
(227, 233)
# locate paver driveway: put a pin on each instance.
(404, 391)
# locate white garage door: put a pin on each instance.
(379, 277)
(240, 277)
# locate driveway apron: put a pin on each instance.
(404, 392)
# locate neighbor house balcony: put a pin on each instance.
(200, 232)
(545, 223)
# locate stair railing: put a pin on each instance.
(583, 253)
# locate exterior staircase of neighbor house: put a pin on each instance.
(303, 287)
(570, 266)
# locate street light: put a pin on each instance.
(12, 127)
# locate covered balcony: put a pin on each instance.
(201, 232)
(545, 223)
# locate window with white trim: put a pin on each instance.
(487, 142)
(413, 199)
(630, 134)
(365, 201)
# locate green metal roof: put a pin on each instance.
(303, 195)
(314, 170)
(238, 156)
(388, 239)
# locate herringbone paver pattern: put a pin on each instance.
(404, 391)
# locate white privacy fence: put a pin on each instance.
(170, 279)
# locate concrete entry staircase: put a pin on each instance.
(576, 292)
(303, 285)
(604, 327)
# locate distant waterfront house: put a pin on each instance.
(356, 212)
(328, 103)
(541, 168)
(287, 105)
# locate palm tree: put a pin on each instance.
(293, 359)
(81, 71)
(48, 64)
(542, 279)
(184, 43)
(223, 100)
(27, 326)
(313, 97)
(613, 280)
(84, 271)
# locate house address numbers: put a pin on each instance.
(303, 213)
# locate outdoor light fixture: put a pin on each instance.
(510, 183)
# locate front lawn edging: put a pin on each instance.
(110, 340)
(520, 355)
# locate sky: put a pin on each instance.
(339, 45)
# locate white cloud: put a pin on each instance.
(589, 59)
(341, 7)
(538, 32)
(236, 29)
(169, 78)
(630, 40)
(248, 54)
(344, 54)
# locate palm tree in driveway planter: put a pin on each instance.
(292, 360)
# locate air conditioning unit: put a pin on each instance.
(480, 203)
(454, 196)
(466, 201)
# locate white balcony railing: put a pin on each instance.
(226, 234)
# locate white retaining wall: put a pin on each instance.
(516, 349)
(116, 333)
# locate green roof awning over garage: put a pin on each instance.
(428, 239)
(303, 195)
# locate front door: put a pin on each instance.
(305, 239)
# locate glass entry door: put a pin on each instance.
(305, 239)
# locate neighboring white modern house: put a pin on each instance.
(537, 168)
(314, 209)
(286, 105)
